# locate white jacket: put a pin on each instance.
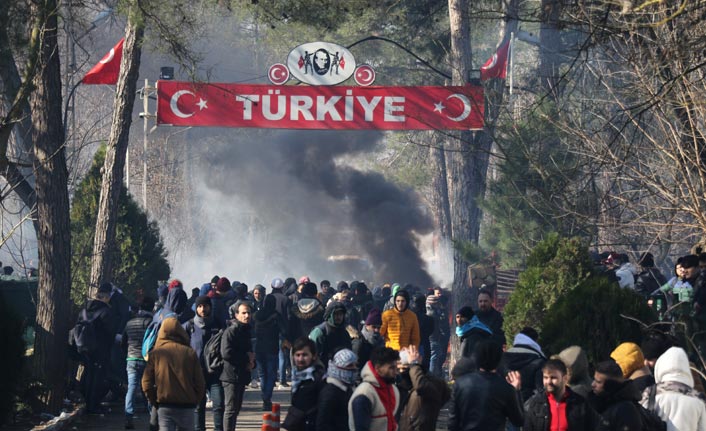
(681, 411)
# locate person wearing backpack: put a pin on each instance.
(99, 323)
(673, 398)
(238, 361)
(132, 344)
(202, 328)
(173, 380)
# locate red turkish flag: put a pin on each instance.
(496, 66)
(108, 69)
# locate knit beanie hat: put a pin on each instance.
(174, 284)
(105, 288)
(304, 279)
(341, 286)
(215, 279)
(374, 318)
(223, 284)
(395, 288)
(466, 312)
(343, 366)
(162, 290)
(629, 357)
(203, 300)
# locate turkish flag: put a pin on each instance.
(496, 66)
(108, 69)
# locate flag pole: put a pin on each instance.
(512, 53)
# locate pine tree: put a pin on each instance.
(140, 260)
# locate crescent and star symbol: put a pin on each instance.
(174, 104)
(438, 107)
(108, 58)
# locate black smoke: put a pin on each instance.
(302, 186)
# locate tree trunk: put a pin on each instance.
(104, 241)
(550, 48)
(440, 198)
(53, 235)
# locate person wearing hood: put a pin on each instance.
(132, 343)
(369, 338)
(470, 330)
(93, 381)
(257, 297)
(675, 400)
(269, 326)
(332, 410)
(615, 399)
(201, 328)
(174, 306)
(360, 305)
(238, 361)
(306, 313)
(374, 403)
(576, 362)
(221, 298)
(526, 356)
(632, 363)
(426, 394)
(173, 377)
(400, 327)
(331, 335)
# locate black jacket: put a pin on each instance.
(105, 325)
(579, 414)
(482, 401)
(283, 304)
(134, 333)
(268, 328)
(235, 346)
(332, 411)
(618, 406)
(649, 280)
(529, 363)
(304, 316)
(493, 320)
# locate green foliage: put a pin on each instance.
(12, 358)
(554, 267)
(140, 258)
(537, 190)
(589, 316)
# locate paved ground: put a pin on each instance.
(250, 417)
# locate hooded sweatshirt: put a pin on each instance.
(400, 328)
(373, 403)
(526, 357)
(173, 376)
(632, 363)
(576, 360)
(676, 401)
(329, 337)
(304, 315)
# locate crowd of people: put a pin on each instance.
(367, 360)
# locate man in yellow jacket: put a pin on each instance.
(173, 379)
(400, 327)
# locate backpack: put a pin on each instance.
(83, 336)
(212, 353)
(150, 337)
(651, 420)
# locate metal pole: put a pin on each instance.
(145, 107)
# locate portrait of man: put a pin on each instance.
(322, 61)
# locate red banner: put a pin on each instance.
(321, 107)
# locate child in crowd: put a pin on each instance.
(307, 382)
